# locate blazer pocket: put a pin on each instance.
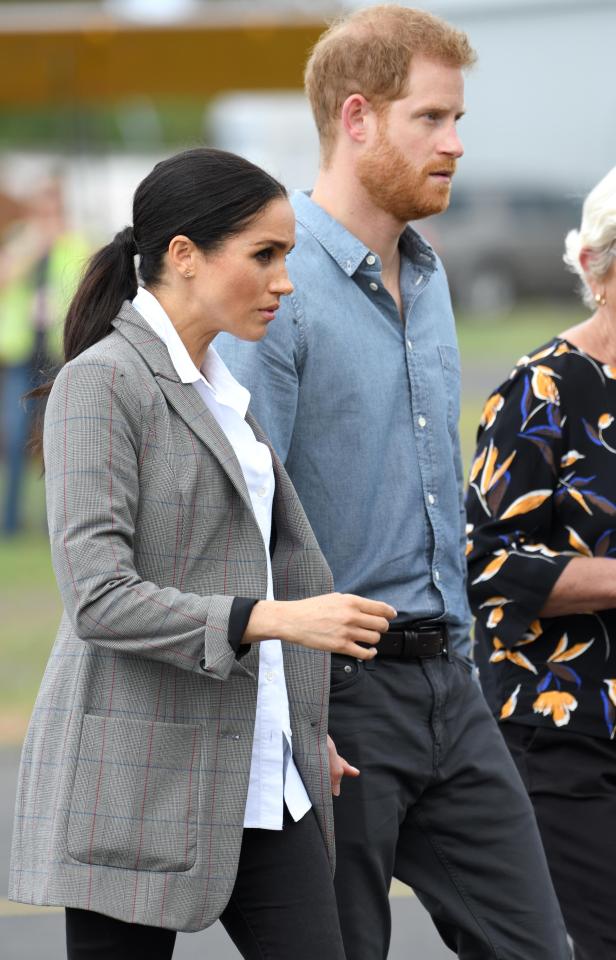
(136, 794)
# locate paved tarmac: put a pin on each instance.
(37, 933)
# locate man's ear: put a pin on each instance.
(354, 117)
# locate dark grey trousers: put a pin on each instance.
(571, 780)
(439, 805)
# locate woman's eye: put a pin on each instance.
(265, 255)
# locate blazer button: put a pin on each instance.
(313, 723)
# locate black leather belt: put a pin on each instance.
(424, 638)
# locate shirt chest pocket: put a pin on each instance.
(450, 368)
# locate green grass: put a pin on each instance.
(30, 614)
(509, 336)
(29, 600)
(489, 348)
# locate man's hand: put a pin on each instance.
(338, 767)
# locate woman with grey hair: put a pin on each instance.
(542, 580)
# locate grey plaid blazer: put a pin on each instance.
(134, 772)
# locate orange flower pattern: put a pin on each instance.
(557, 705)
(541, 491)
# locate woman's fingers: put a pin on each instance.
(335, 622)
(374, 624)
(375, 608)
(338, 767)
(350, 649)
(349, 644)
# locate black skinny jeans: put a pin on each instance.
(282, 905)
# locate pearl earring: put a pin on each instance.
(600, 299)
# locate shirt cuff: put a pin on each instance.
(241, 608)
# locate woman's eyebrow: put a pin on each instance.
(279, 244)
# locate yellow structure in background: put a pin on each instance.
(93, 58)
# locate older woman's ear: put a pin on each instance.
(586, 257)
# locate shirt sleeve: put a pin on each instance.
(271, 371)
(241, 608)
(510, 504)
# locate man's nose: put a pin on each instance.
(452, 145)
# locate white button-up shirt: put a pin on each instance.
(274, 778)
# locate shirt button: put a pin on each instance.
(431, 498)
(261, 491)
(421, 421)
(437, 575)
(374, 286)
(269, 676)
(370, 259)
(418, 281)
(409, 344)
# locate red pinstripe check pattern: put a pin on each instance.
(136, 765)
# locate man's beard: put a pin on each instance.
(399, 188)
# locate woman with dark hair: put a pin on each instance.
(542, 581)
(176, 765)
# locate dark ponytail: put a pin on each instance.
(109, 280)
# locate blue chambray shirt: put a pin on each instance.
(363, 409)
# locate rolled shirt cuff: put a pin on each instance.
(241, 608)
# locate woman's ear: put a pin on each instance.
(586, 259)
(182, 256)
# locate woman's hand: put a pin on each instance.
(338, 767)
(335, 622)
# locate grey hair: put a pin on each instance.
(597, 234)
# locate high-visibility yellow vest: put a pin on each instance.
(67, 260)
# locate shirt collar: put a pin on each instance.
(214, 374)
(345, 248)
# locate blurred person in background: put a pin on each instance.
(542, 580)
(357, 384)
(167, 779)
(40, 264)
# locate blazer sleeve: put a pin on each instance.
(91, 443)
(512, 567)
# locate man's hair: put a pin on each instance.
(370, 52)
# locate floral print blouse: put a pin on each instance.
(542, 490)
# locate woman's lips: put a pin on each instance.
(269, 312)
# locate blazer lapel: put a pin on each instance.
(181, 396)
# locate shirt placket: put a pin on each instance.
(425, 439)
